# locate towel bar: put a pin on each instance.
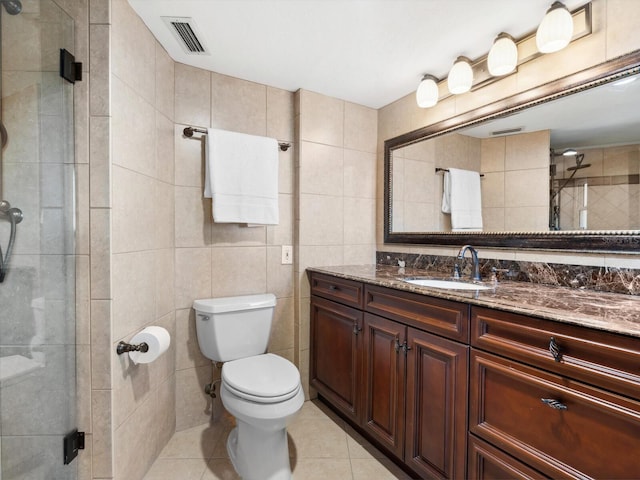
(189, 131)
(438, 169)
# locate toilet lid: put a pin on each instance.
(262, 378)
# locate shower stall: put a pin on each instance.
(37, 238)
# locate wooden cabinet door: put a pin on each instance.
(436, 427)
(335, 354)
(383, 381)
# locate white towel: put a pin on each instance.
(241, 177)
(462, 199)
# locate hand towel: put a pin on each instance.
(241, 177)
(462, 199)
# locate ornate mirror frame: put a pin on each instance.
(623, 241)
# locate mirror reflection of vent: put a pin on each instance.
(186, 32)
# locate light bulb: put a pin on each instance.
(427, 93)
(555, 30)
(460, 77)
(503, 56)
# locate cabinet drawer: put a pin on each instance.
(588, 433)
(337, 289)
(600, 358)
(489, 463)
(443, 317)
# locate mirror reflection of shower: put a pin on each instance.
(557, 187)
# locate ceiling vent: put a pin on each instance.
(186, 32)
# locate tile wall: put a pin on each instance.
(335, 205)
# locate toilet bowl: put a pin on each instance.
(258, 446)
(261, 390)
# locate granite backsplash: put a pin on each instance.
(602, 279)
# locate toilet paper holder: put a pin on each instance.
(124, 347)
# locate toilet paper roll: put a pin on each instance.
(158, 340)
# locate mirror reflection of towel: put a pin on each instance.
(462, 199)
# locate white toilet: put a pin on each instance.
(261, 390)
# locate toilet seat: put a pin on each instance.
(264, 378)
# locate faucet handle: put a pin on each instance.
(495, 273)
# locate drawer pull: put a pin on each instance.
(333, 288)
(554, 403)
(555, 350)
(356, 329)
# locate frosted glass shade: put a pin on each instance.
(460, 77)
(427, 93)
(556, 29)
(503, 56)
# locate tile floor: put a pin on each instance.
(322, 446)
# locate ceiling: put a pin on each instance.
(369, 52)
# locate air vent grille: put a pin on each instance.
(186, 32)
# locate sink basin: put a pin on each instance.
(446, 284)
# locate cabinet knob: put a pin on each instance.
(333, 288)
(356, 329)
(555, 350)
(550, 402)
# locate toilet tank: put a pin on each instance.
(229, 328)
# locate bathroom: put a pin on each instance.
(143, 246)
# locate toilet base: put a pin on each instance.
(259, 454)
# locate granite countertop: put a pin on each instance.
(612, 312)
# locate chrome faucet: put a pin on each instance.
(476, 264)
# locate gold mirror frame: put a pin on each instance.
(592, 241)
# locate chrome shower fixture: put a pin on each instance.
(13, 7)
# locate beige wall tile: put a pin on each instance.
(192, 218)
(188, 354)
(165, 156)
(100, 253)
(228, 234)
(132, 113)
(526, 188)
(238, 105)
(622, 17)
(164, 215)
(100, 68)
(359, 254)
(527, 151)
(82, 210)
(193, 275)
(493, 190)
(134, 290)
(165, 277)
(192, 96)
(133, 66)
(279, 277)
(493, 154)
(189, 159)
(321, 220)
(165, 82)
(282, 234)
(359, 174)
(133, 211)
(280, 114)
(321, 169)
(238, 271)
(99, 11)
(360, 127)
(359, 221)
(102, 464)
(321, 119)
(285, 171)
(83, 298)
(193, 406)
(101, 344)
(526, 219)
(282, 330)
(100, 171)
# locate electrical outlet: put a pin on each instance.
(287, 255)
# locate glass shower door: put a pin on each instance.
(37, 294)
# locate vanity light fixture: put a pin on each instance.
(427, 93)
(460, 77)
(503, 56)
(555, 30)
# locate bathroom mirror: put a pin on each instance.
(532, 195)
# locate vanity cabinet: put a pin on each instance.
(558, 398)
(396, 376)
(336, 343)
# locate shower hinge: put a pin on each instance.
(73, 442)
(70, 70)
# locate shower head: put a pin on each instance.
(579, 165)
(13, 7)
